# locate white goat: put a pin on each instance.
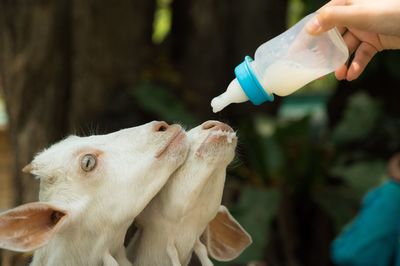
(186, 214)
(91, 189)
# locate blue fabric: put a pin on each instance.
(372, 239)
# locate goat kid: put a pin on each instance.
(91, 189)
(186, 215)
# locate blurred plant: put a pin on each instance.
(162, 103)
(359, 120)
(296, 171)
(162, 20)
(332, 170)
(256, 208)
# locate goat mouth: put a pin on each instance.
(176, 137)
(217, 137)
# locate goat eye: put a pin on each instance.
(88, 162)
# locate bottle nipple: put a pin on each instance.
(220, 102)
(234, 94)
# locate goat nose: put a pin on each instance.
(160, 126)
(216, 125)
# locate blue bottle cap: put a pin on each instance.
(250, 84)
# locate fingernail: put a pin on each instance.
(314, 27)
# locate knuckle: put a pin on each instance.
(325, 15)
(368, 51)
(348, 2)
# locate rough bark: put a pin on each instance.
(62, 63)
(35, 80)
(110, 43)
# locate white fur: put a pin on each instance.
(170, 226)
(102, 204)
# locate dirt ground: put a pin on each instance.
(6, 188)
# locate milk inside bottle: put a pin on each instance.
(283, 65)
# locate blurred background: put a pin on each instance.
(92, 66)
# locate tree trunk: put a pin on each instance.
(34, 65)
(63, 63)
(111, 41)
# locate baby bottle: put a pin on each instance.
(283, 65)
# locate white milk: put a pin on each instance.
(285, 77)
(281, 78)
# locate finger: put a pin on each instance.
(336, 3)
(342, 30)
(363, 55)
(330, 3)
(342, 16)
(351, 41)
(341, 72)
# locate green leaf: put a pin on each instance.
(254, 150)
(273, 155)
(361, 176)
(274, 159)
(340, 203)
(360, 117)
(255, 211)
(162, 20)
(162, 103)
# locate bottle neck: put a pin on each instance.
(250, 84)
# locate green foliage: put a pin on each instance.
(359, 119)
(296, 157)
(273, 145)
(361, 176)
(162, 20)
(262, 151)
(255, 211)
(340, 203)
(162, 103)
(295, 12)
(355, 163)
(293, 158)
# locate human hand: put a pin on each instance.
(367, 27)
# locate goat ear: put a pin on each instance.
(28, 169)
(224, 237)
(30, 226)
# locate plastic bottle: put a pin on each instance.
(283, 65)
